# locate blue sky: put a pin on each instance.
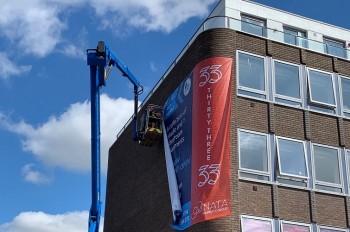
(44, 92)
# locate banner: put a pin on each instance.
(197, 139)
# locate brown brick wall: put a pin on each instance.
(331, 210)
(251, 115)
(324, 129)
(136, 188)
(289, 122)
(235, 202)
(344, 67)
(319, 61)
(137, 196)
(255, 199)
(346, 125)
(251, 44)
(294, 204)
(285, 53)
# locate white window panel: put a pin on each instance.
(295, 227)
(327, 168)
(251, 75)
(253, 153)
(295, 37)
(254, 224)
(287, 83)
(292, 158)
(254, 25)
(329, 229)
(321, 88)
(345, 93)
(334, 47)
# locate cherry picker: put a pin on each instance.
(101, 60)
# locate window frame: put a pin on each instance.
(347, 167)
(294, 223)
(327, 42)
(268, 153)
(344, 111)
(256, 19)
(330, 228)
(301, 34)
(248, 89)
(281, 174)
(322, 183)
(258, 219)
(318, 103)
(284, 97)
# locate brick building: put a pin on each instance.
(290, 128)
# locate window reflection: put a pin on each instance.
(251, 72)
(291, 155)
(253, 151)
(321, 88)
(287, 80)
(345, 84)
(326, 164)
(253, 25)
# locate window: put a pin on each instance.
(329, 229)
(295, 37)
(287, 83)
(251, 75)
(292, 163)
(253, 25)
(254, 224)
(327, 168)
(321, 89)
(253, 155)
(334, 47)
(345, 93)
(294, 227)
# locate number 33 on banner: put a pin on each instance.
(210, 174)
(211, 74)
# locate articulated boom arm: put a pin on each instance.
(113, 60)
(100, 61)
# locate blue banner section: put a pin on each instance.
(172, 102)
(185, 220)
(178, 125)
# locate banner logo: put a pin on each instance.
(209, 207)
(187, 86)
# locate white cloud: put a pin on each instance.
(67, 2)
(34, 176)
(35, 26)
(73, 51)
(8, 68)
(78, 48)
(32, 25)
(43, 222)
(152, 15)
(153, 67)
(64, 140)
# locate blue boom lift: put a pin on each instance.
(101, 61)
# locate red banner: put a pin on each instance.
(211, 117)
